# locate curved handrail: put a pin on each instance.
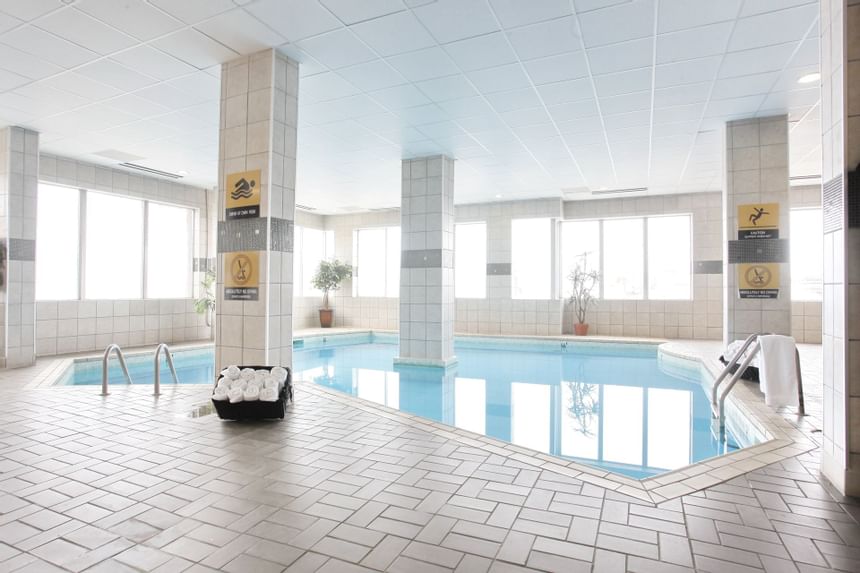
(750, 339)
(158, 350)
(122, 364)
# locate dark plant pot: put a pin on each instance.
(580, 328)
(326, 317)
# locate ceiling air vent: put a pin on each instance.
(619, 191)
(150, 170)
(804, 177)
(301, 207)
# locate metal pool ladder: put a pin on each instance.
(122, 364)
(754, 345)
(159, 348)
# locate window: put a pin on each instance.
(669, 426)
(530, 404)
(310, 246)
(114, 247)
(470, 404)
(470, 260)
(377, 262)
(669, 258)
(169, 232)
(581, 246)
(622, 424)
(617, 248)
(807, 248)
(531, 259)
(57, 238)
(623, 259)
(378, 386)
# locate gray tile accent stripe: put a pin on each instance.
(708, 267)
(758, 251)
(424, 259)
(252, 235)
(22, 250)
(499, 269)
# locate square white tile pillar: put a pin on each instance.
(259, 108)
(756, 172)
(840, 176)
(19, 182)
(427, 262)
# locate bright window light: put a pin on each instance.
(114, 247)
(580, 420)
(623, 259)
(57, 234)
(377, 260)
(378, 386)
(313, 250)
(622, 424)
(669, 258)
(530, 408)
(169, 251)
(470, 404)
(470, 260)
(531, 259)
(669, 426)
(807, 254)
(580, 245)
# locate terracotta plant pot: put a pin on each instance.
(580, 328)
(326, 317)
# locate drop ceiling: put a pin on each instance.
(538, 98)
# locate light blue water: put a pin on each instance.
(608, 405)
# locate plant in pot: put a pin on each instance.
(205, 303)
(329, 276)
(583, 281)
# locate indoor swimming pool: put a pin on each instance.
(615, 406)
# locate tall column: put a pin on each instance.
(427, 262)
(257, 174)
(19, 181)
(840, 175)
(756, 254)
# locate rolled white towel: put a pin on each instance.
(235, 395)
(268, 395)
(247, 373)
(252, 393)
(280, 374)
(253, 384)
(232, 372)
(262, 372)
(223, 382)
(220, 393)
(239, 384)
(270, 382)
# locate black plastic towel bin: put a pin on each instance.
(256, 410)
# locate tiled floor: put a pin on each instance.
(131, 483)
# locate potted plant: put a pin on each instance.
(328, 277)
(205, 303)
(583, 280)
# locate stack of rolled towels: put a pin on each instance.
(249, 385)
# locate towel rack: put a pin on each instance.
(754, 345)
(158, 349)
(122, 364)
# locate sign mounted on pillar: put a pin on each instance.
(758, 280)
(242, 275)
(758, 221)
(243, 195)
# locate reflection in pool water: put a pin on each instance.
(609, 405)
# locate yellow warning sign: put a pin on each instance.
(242, 275)
(243, 195)
(758, 280)
(758, 221)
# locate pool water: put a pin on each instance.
(614, 406)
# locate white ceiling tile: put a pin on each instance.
(8, 22)
(785, 100)
(394, 34)
(681, 95)
(308, 65)
(399, 97)
(199, 84)
(527, 116)
(152, 62)
(451, 20)
(583, 6)
(677, 15)
(424, 64)
(337, 49)
(195, 48)
(446, 88)
(83, 30)
(574, 110)
(626, 103)
(688, 112)
(47, 47)
(168, 96)
(620, 23)
(787, 80)
(324, 87)
(513, 13)
(10, 80)
(514, 99)
(499, 79)
(81, 85)
(116, 75)
(29, 9)
(807, 54)
(744, 85)
(134, 17)
(621, 57)
(734, 106)
(695, 43)
(194, 11)
(626, 120)
(423, 115)
(486, 51)
(351, 12)
(138, 106)
(240, 32)
(567, 91)
(294, 19)
(373, 75)
(774, 27)
(568, 66)
(623, 82)
(762, 6)
(545, 39)
(687, 71)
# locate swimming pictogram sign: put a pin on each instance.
(242, 195)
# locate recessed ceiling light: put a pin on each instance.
(809, 78)
(183, 173)
(498, 196)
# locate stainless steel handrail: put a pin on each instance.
(158, 350)
(750, 339)
(122, 364)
